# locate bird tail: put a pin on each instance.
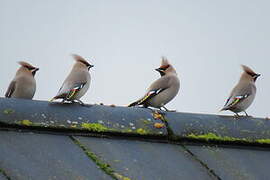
(223, 109)
(53, 99)
(133, 104)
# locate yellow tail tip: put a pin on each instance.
(221, 110)
(52, 100)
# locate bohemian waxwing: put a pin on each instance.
(24, 84)
(77, 82)
(163, 90)
(243, 93)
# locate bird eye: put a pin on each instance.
(165, 67)
(29, 68)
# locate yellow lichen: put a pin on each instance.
(157, 115)
(159, 125)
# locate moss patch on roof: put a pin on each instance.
(96, 127)
(102, 165)
(8, 111)
(214, 137)
(26, 122)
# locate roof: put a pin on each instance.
(69, 141)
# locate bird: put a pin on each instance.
(23, 85)
(163, 90)
(243, 94)
(77, 82)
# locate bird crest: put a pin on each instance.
(80, 59)
(164, 61)
(25, 64)
(248, 70)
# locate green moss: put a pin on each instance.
(141, 131)
(214, 137)
(164, 119)
(121, 177)
(8, 111)
(4, 174)
(263, 141)
(26, 122)
(127, 130)
(102, 165)
(94, 127)
(146, 122)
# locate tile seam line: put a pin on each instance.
(85, 149)
(3, 172)
(209, 170)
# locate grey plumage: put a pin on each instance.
(243, 94)
(24, 84)
(163, 90)
(77, 82)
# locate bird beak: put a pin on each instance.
(161, 71)
(34, 71)
(256, 77)
(90, 66)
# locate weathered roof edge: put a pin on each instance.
(96, 120)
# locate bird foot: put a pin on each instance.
(171, 110)
(167, 110)
(239, 116)
(78, 101)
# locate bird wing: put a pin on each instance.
(72, 85)
(75, 90)
(11, 89)
(232, 101)
(156, 88)
(238, 96)
(71, 92)
(149, 95)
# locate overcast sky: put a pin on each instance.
(205, 40)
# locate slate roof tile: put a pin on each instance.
(74, 116)
(235, 163)
(146, 160)
(42, 156)
(55, 141)
(3, 177)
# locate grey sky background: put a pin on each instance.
(206, 41)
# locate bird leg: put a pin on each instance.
(80, 102)
(63, 101)
(236, 115)
(167, 109)
(247, 114)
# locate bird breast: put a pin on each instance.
(167, 95)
